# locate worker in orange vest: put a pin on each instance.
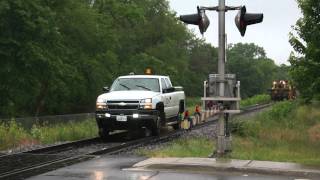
(197, 111)
(197, 114)
(187, 117)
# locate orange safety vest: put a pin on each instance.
(186, 114)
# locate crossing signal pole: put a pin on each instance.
(227, 100)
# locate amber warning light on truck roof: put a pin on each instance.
(148, 71)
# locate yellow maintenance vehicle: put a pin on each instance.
(282, 90)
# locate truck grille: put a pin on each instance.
(123, 104)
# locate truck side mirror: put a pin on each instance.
(105, 89)
(169, 90)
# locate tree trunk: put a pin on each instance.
(40, 99)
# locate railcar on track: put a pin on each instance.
(282, 90)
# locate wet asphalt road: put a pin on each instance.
(111, 168)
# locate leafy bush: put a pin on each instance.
(12, 135)
(281, 110)
(279, 116)
(257, 99)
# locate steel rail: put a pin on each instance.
(56, 148)
(64, 146)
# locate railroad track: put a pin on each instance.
(34, 162)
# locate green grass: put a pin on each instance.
(182, 148)
(65, 132)
(12, 135)
(299, 152)
(257, 99)
(288, 132)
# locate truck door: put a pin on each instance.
(174, 101)
(166, 99)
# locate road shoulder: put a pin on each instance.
(210, 165)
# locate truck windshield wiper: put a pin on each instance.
(144, 87)
(124, 86)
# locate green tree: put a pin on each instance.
(29, 42)
(255, 71)
(306, 64)
(203, 59)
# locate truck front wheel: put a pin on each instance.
(156, 126)
(104, 134)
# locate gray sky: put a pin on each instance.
(272, 34)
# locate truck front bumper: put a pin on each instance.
(111, 120)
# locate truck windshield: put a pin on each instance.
(140, 84)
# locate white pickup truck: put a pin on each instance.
(137, 101)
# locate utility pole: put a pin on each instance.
(221, 86)
(221, 54)
(221, 145)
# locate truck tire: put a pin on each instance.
(156, 126)
(178, 120)
(104, 134)
(176, 126)
(181, 106)
(160, 108)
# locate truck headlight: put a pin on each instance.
(101, 105)
(146, 100)
(146, 103)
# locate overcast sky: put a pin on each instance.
(272, 34)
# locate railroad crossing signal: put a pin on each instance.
(200, 19)
(243, 19)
